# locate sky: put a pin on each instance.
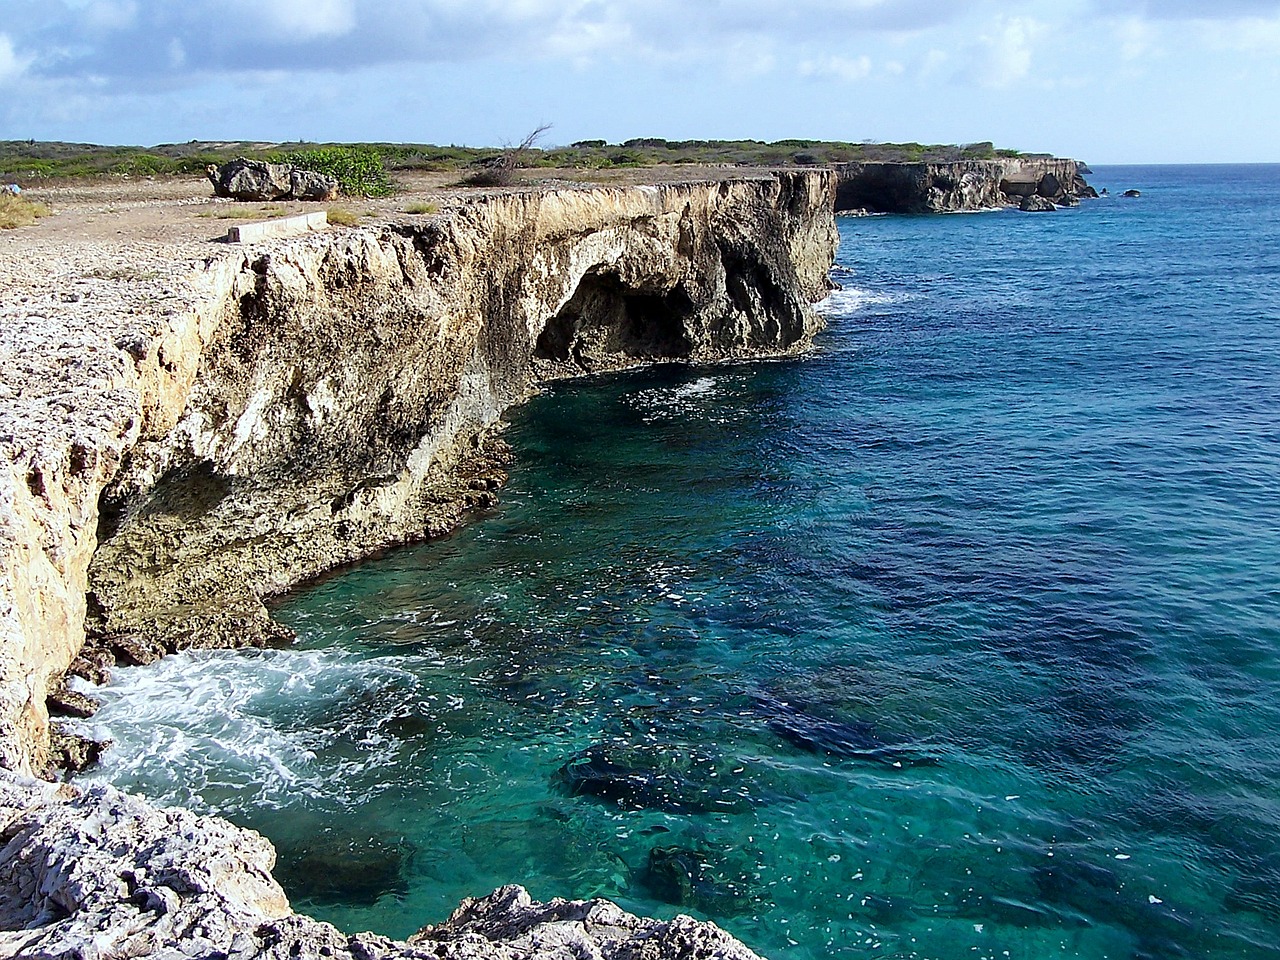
(1107, 81)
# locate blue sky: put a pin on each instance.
(1110, 81)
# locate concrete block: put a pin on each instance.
(284, 227)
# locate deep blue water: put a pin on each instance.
(958, 638)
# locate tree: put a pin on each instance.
(500, 171)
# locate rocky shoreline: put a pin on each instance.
(187, 429)
(98, 874)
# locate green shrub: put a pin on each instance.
(358, 170)
(143, 165)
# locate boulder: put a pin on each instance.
(1037, 204)
(1133, 193)
(1080, 188)
(309, 185)
(254, 180)
(1069, 200)
(259, 181)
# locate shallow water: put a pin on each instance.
(959, 638)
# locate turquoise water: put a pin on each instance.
(958, 638)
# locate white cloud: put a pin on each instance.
(1190, 9)
(12, 66)
(107, 15)
(133, 40)
(1003, 56)
(1254, 35)
(1136, 37)
(837, 68)
(303, 19)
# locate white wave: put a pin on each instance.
(226, 731)
(695, 400)
(852, 299)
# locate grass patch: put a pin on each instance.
(344, 217)
(423, 209)
(240, 213)
(19, 212)
(122, 273)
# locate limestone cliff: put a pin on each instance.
(298, 405)
(345, 398)
(958, 186)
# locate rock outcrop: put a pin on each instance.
(956, 187)
(257, 180)
(99, 874)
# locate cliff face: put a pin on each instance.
(955, 187)
(345, 399)
(300, 405)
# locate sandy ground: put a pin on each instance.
(183, 210)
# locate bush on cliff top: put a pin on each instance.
(358, 170)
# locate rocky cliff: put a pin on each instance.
(299, 405)
(956, 187)
(175, 448)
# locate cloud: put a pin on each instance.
(837, 68)
(303, 19)
(12, 66)
(139, 41)
(1190, 9)
(1002, 57)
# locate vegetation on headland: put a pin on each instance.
(364, 169)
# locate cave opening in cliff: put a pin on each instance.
(605, 321)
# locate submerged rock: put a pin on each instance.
(345, 870)
(653, 777)
(855, 739)
(706, 879)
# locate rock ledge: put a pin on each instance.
(99, 875)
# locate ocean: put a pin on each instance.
(957, 638)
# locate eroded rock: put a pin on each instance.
(259, 181)
(96, 873)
